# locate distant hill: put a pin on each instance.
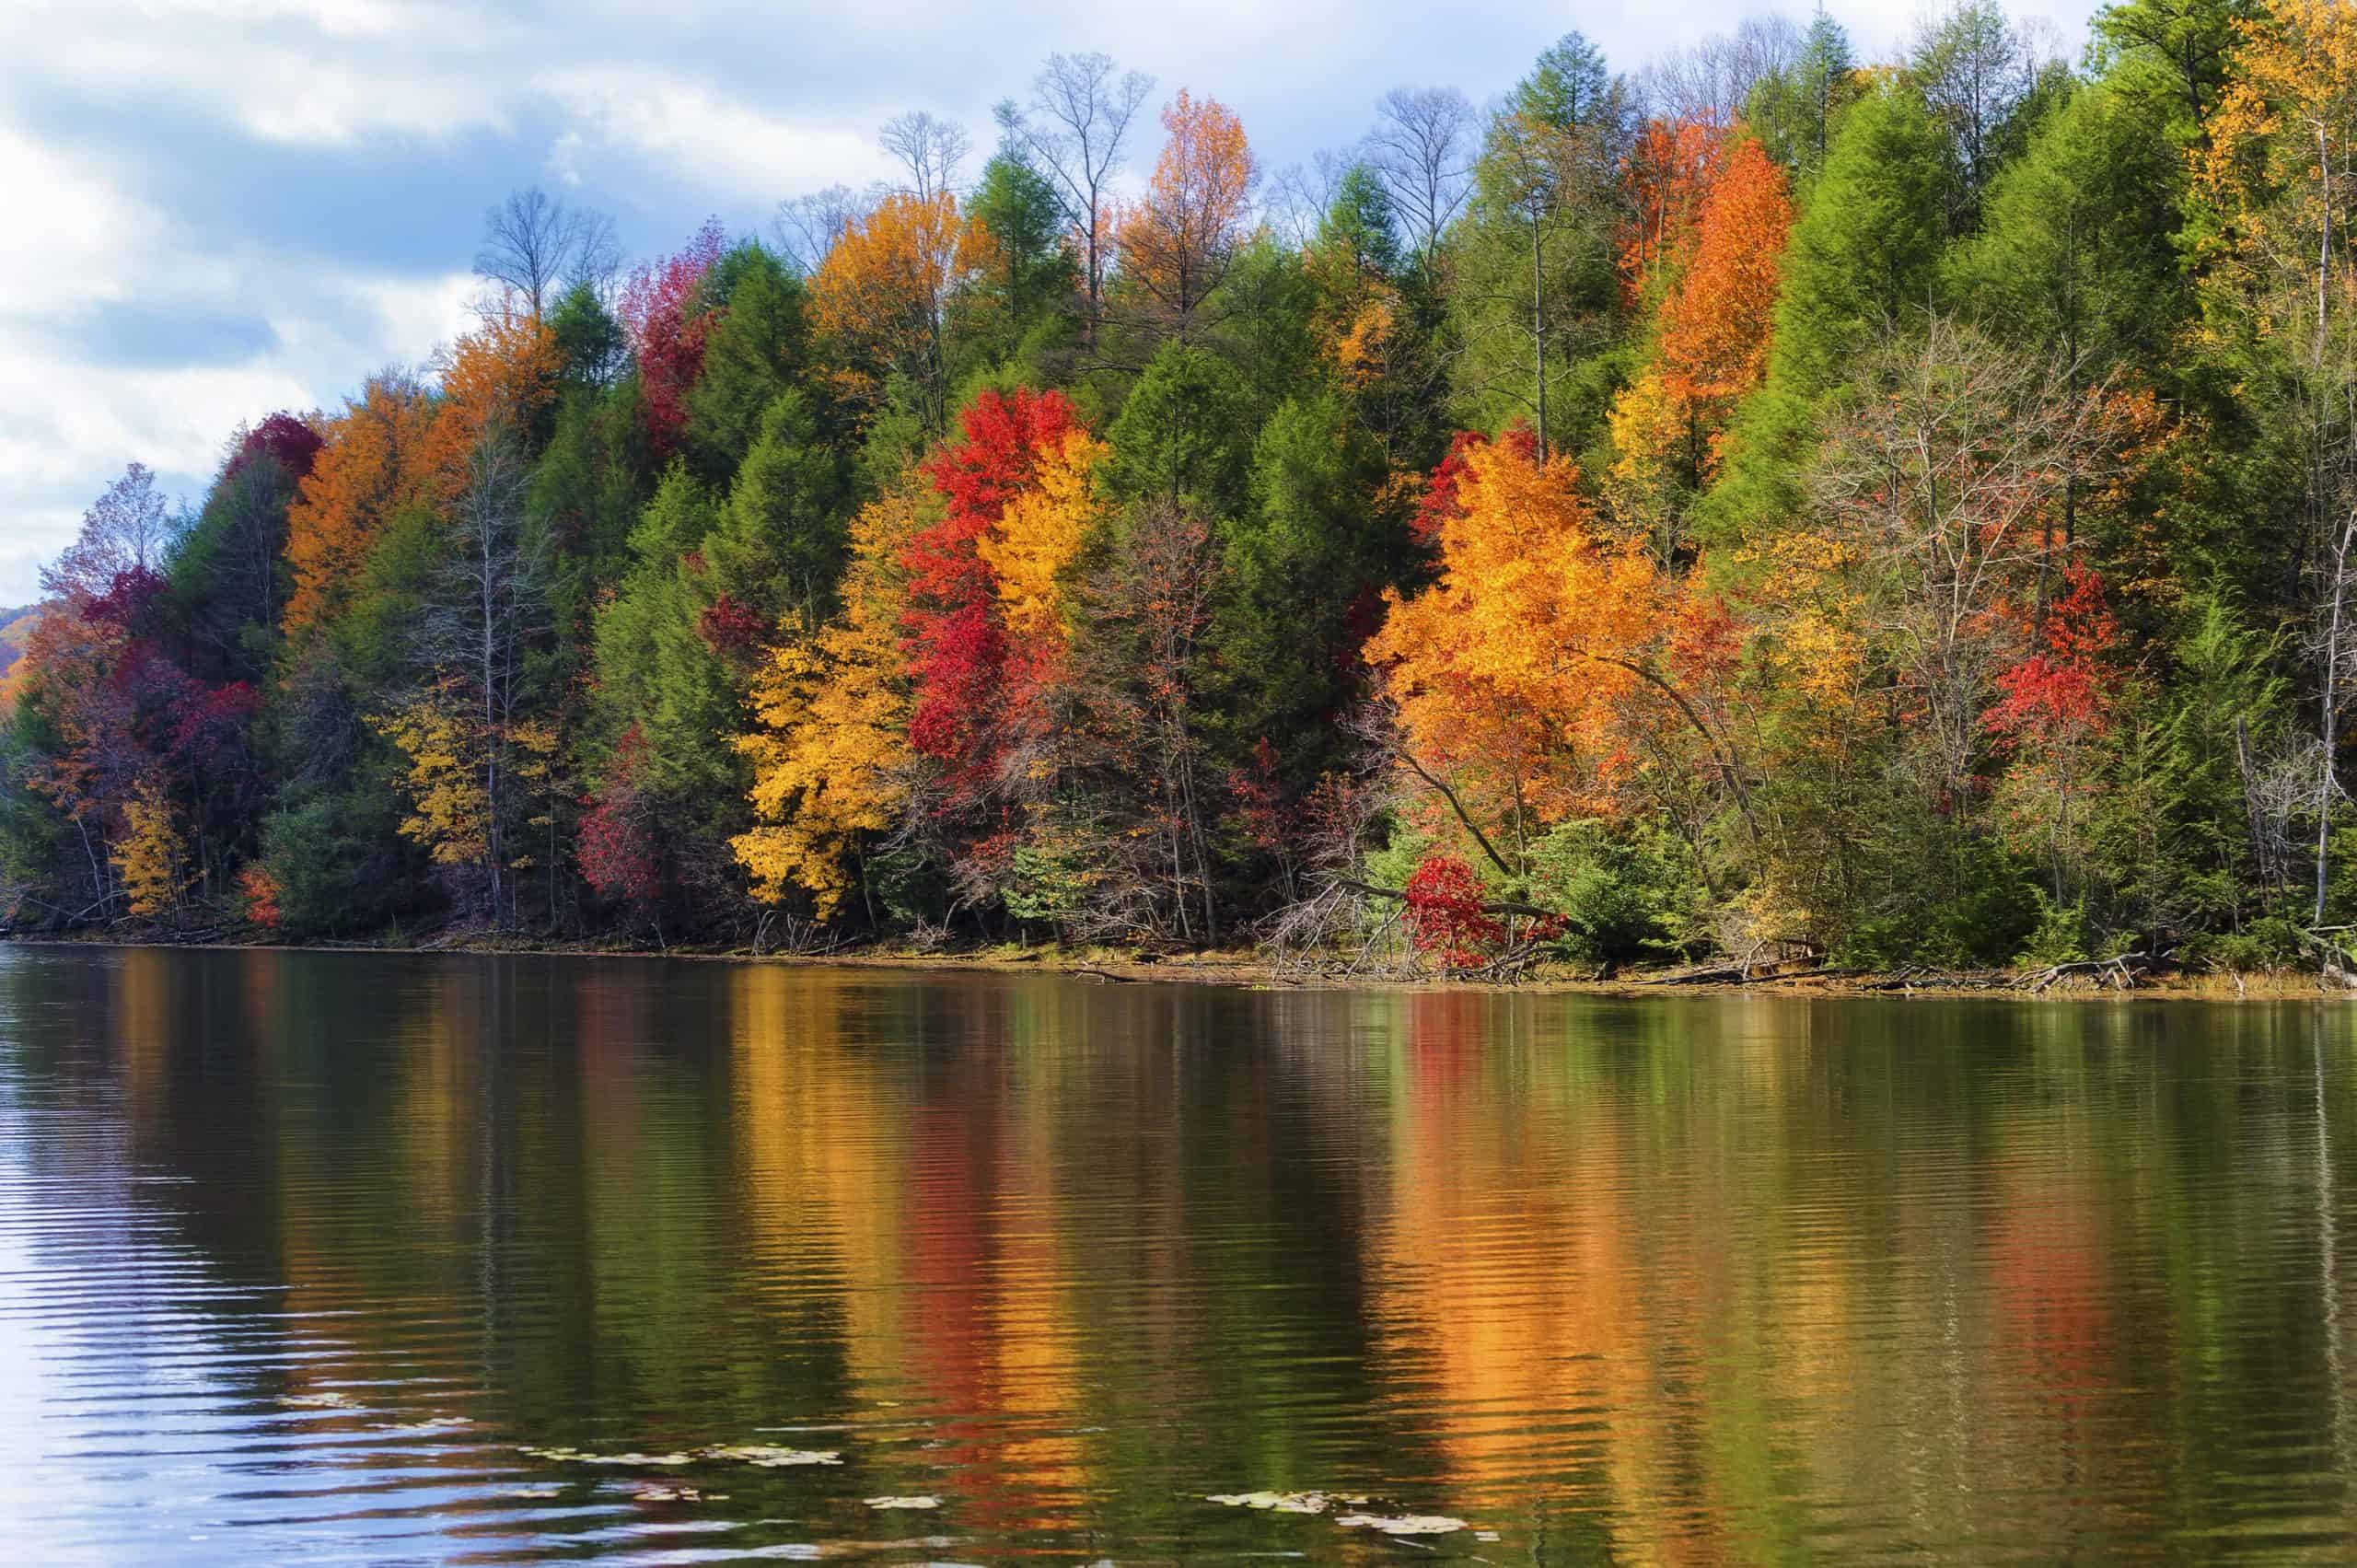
(14, 625)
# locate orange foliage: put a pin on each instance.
(1715, 323)
(1175, 242)
(501, 375)
(1715, 326)
(1668, 173)
(884, 289)
(378, 460)
(1511, 671)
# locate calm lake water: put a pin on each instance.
(300, 1254)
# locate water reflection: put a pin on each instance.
(299, 1252)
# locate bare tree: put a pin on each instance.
(808, 225)
(1421, 148)
(532, 243)
(1080, 114)
(1710, 82)
(125, 529)
(489, 604)
(929, 148)
(1301, 196)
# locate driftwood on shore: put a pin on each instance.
(2119, 972)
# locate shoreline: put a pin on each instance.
(1248, 971)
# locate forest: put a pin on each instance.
(1768, 501)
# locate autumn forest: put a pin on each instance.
(1763, 502)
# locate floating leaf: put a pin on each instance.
(431, 1423)
(1402, 1524)
(1278, 1502)
(904, 1502)
(319, 1401)
(582, 1457)
(770, 1457)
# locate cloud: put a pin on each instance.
(222, 207)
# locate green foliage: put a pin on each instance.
(779, 544)
(1183, 434)
(1624, 896)
(1034, 280)
(2078, 254)
(1302, 561)
(754, 353)
(1865, 254)
(2059, 935)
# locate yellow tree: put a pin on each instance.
(150, 855)
(831, 758)
(1038, 536)
(1175, 242)
(442, 745)
(884, 294)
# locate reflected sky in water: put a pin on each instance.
(301, 1253)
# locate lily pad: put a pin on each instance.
(1403, 1524)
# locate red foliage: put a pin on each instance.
(209, 719)
(283, 438)
(667, 332)
(129, 597)
(1440, 503)
(618, 853)
(1259, 793)
(2066, 685)
(1445, 913)
(258, 891)
(733, 630)
(957, 648)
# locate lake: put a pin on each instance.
(393, 1259)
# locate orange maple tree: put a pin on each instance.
(1509, 672)
(1176, 241)
(378, 459)
(498, 377)
(883, 295)
(1715, 324)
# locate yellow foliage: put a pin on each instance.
(1510, 669)
(149, 856)
(449, 806)
(830, 759)
(1037, 535)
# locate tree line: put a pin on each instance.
(1771, 502)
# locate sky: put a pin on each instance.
(220, 208)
